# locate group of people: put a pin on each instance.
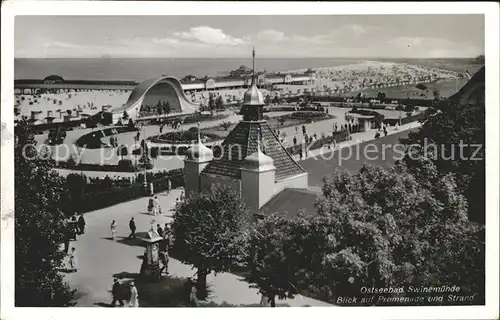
(75, 226)
(165, 244)
(154, 207)
(120, 293)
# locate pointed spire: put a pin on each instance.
(253, 66)
(253, 61)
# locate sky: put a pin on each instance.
(307, 36)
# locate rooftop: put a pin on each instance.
(242, 142)
(290, 202)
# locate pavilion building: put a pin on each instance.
(251, 160)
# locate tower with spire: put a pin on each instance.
(252, 159)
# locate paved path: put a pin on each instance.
(99, 258)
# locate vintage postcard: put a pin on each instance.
(339, 156)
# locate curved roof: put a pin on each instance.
(142, 89)
(253, 96)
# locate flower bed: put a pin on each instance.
(184, 137)
(308, 116)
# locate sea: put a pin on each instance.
(138, 69)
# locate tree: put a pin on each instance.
(226, 125)
(358, 97)
(282, 121)
(381, 95)
(271, 261)
(131, 123)
(268, 99)
(436, 94)
(166, 108)
(421, 86)
(443, 132)
(393, 227)
(211, 102)
(219, 104)
(40, 228)
(210, 232)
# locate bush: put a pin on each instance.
(308, 116)
(203, 117)
(184, 137)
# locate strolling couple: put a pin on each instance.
(120, 293)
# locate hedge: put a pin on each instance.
(180, 137)
(122, 166)
(106, 192)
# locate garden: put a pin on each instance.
(93, 140)
(178, 142)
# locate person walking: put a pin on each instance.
(67, 238)
(81, 224)
(159, 230)
(132, 228)
(151, 205)
(264, 301)
(113, 230)
(73, 227)
(156, 206)
(294, 141)
(193, 299)
(164, 260)
(116, 292)
(134, 296)
(72, 260)
(169, 185)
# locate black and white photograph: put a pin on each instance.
(226, 154)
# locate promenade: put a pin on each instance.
(99, 258)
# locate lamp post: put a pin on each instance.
(145, 151)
